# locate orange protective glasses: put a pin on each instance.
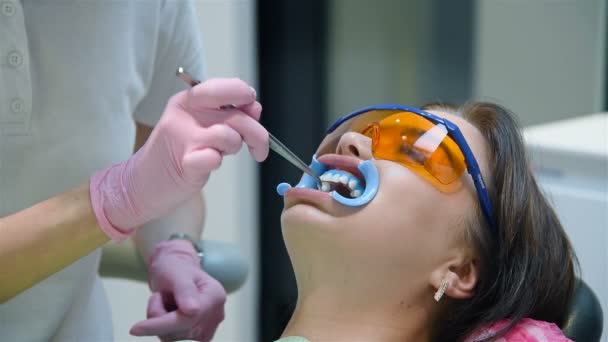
(408, 139)
(429, 145)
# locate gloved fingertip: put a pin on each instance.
(189, 306)
(259, 154)
(136, 331)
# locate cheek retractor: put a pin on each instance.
(368, 170)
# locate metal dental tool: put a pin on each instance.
(275, 144)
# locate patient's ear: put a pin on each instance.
(461, 277)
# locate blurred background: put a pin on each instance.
(315, 60)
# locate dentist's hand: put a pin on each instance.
(186, 303)
(187, 144)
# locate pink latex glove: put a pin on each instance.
(188, 143)
(186, 303)
(527, 330)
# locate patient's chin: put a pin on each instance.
(302, 216)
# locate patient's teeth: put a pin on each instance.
(332, 177)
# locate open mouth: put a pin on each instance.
(344, 183)
(343, 176)
(349, 181)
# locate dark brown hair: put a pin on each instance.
(528, 270)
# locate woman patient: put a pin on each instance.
(437, 254)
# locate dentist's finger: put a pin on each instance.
(218, 92)
(186, 296)
(155, 306)
(253, 109)
(198, 164)
(220, 137)
(169, 323)
(253, 133)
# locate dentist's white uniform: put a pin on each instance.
(74, 74)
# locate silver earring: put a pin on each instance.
(441, 290)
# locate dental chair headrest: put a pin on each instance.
(585, 319)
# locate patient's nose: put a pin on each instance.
(356, 145)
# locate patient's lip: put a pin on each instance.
(342, 162)
(297, 195)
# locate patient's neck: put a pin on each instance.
(325, 316)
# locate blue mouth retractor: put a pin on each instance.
(367, 168)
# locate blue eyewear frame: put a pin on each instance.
(455, 133)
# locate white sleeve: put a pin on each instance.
(179, 44)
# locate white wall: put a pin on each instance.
(544, 59)
(373, 52)
(573, 173)
(229, 33)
